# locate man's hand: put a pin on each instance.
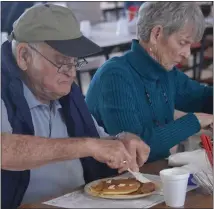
(109, 151)
(137, 148)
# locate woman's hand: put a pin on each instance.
(205, 120)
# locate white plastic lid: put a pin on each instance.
(174, 174)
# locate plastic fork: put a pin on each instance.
(139, 176)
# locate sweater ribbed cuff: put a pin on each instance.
(176, 132)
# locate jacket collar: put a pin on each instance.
(15, 86)
(143, 63)
(9, 61)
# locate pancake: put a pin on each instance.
(116, 187)
(145, 188)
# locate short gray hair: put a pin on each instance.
(16, 43)
(172, 16)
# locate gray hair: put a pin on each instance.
(16, 43)
(172, 16)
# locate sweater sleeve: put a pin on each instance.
(192, 96)
(119, 113)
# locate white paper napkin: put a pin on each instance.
(184, 158)
(193, 161)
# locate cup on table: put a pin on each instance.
(174, 186)
(85, 28)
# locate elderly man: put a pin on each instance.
(46, 125)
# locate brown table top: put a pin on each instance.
(194, 199)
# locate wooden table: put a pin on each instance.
(194, 199)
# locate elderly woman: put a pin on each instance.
(139, 91)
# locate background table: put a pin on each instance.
(104, 35)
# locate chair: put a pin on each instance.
(200, 61)
(93, 64)
(86, 73)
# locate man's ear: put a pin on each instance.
(156, 34)
(23, 56)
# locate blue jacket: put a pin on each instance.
(15, 183)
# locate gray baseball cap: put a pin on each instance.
(56, 26)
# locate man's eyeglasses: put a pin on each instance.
(78, 63)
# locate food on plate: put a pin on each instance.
(123, 186)
(145, 188)
(116, 186)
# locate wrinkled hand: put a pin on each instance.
(112, 152)
(138, 150)
(210, 127)
(205, 120)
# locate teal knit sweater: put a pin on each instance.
(136, 94)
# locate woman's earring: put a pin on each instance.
(151, 51)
